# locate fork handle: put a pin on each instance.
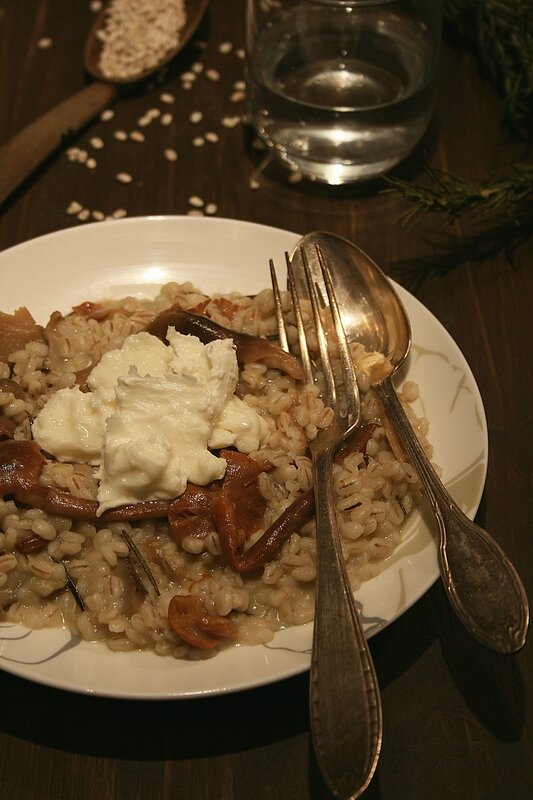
(481, 583)
(345, 705)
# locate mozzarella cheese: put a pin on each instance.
(151, 416)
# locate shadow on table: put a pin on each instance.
(492, 685)
(160, 730)
(200, 727)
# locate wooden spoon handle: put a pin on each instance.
(22, 154)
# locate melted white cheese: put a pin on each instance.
(151, 415)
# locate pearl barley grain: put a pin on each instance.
(170, 154)
(107, 114)
(137, 35)
(230, 122)
(123, 177)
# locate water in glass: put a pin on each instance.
(341, 93)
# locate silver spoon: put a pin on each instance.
(480, 581)
(28, 149)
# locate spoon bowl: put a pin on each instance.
(481, 583)
(195, 10)
(372, 314)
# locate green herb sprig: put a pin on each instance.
(500, 34)
(452, 195)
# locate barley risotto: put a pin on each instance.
(232, 556)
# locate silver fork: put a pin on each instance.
(344, 700)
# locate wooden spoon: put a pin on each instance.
(29, 148)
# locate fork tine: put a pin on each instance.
(351, 391)
(302, 340)
(280, 319)
(330, 394)
(353, 401)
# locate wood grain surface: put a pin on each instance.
(457, 719)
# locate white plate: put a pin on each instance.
(135, 257)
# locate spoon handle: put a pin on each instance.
(344, 699)
(21, 155)
(480, 581)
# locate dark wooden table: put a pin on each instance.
(456, 722)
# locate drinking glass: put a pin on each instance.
(342, 90)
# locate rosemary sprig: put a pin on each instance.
(453, 195)
(500, 33)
